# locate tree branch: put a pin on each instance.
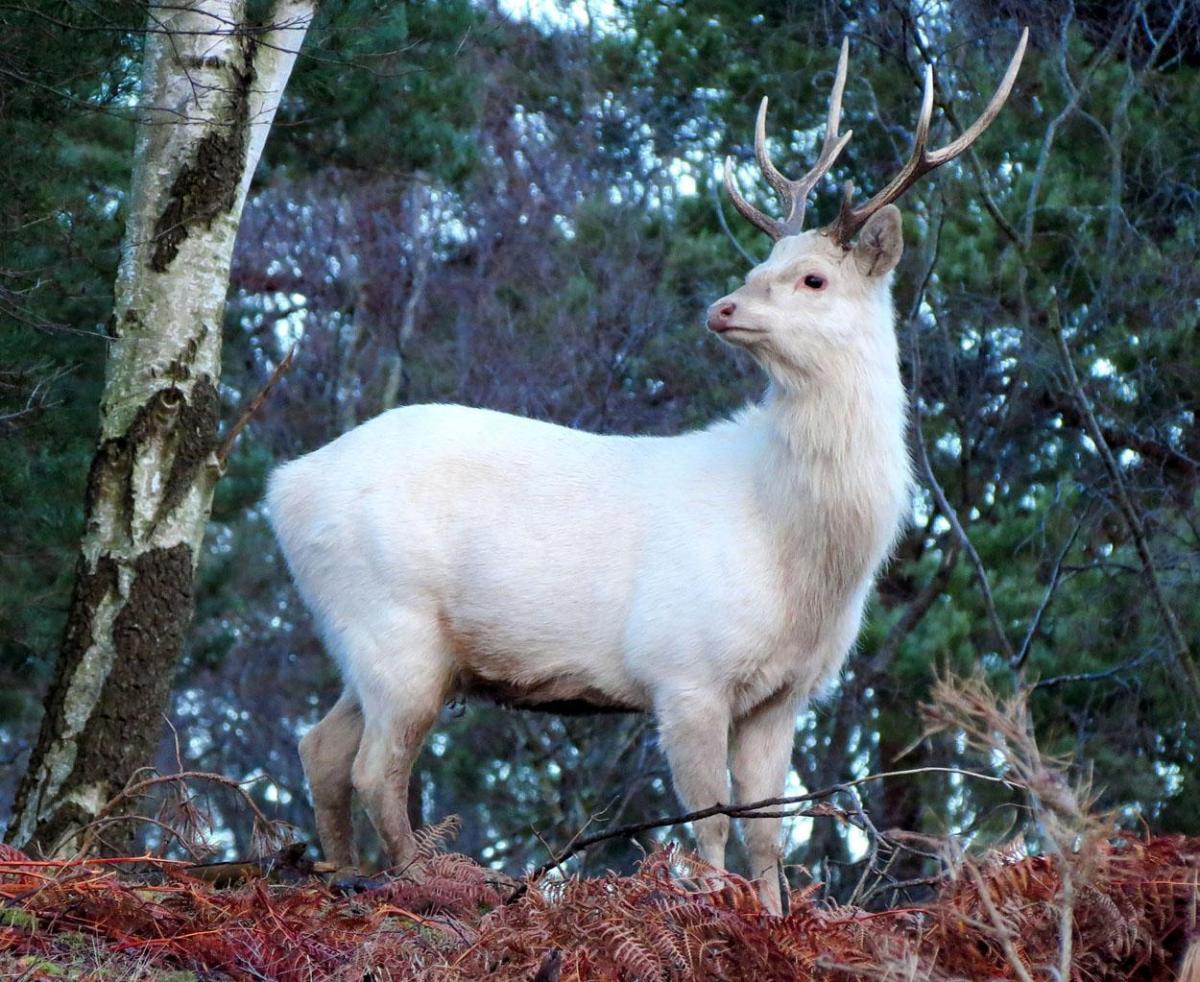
(753, 809)
(255, 404)
(1129, 511)
(943, 503)
(725, 226)
(1051, 588)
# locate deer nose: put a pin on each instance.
(720, 315)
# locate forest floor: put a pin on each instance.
(1132, 911)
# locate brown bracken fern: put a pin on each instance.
(1094, 904)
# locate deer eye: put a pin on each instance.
(814, 281)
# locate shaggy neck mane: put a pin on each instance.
(844, 422)
(835, 470)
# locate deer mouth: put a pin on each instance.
(721, 328)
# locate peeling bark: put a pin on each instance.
(207, 185)
(209, 96)
(149, 620)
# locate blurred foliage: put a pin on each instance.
(67, 151)
(459, 204)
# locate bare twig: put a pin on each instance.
(1106, 673)
(255, 404)
(725, 226)
(753, 809)
(137, 787)
(1051, 587)
(96, 827)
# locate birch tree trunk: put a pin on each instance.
(211, 83)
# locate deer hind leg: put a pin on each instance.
(327, 752)
(401, 696)
(695, 735)
(382, 770)
(760, 759)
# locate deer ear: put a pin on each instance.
(880, 243)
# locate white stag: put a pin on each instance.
(716, 579)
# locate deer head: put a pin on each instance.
(819, 291)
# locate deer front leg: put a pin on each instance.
(694, 733)
(762, 750)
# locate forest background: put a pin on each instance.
(517, 206)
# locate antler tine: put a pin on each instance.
(972, 132)
(839, 86)
(782, 186)
(921, 137)
(831, 147)
(756, 218)
(795, 220)
(794, 194)
(921, 161)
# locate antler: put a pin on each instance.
(794, 194)
(922, 161)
